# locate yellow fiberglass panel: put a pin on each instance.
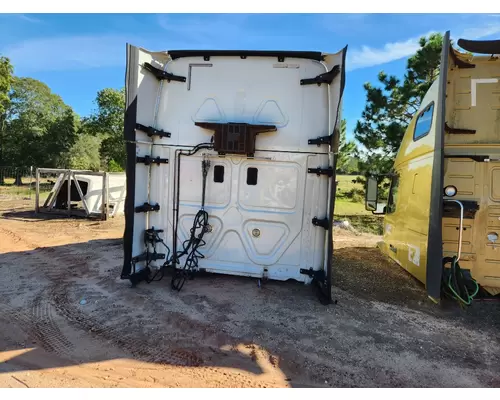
(406, 223)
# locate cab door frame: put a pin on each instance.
(434, 268)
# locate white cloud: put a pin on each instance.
(63, 53)
(24, 17)
(208, 31)
(480, 32)
(368, 56)
(30, 18)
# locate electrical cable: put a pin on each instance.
(191, 245)
(152, 237)
(200, 223)
(195, 241)
(455, 285)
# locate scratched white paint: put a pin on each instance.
(414, 254)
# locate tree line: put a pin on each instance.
(38, 129)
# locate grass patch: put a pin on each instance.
(350, 197)
(346, 207)
(350, 206)
(24, 191)
(373, 224)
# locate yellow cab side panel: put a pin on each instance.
(473, 103)
(406, 227)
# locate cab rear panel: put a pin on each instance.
(261, 192)
(472, 165)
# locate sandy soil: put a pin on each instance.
(222, 331)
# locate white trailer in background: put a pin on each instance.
(90, 194)
(231, 164)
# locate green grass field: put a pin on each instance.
(349, 205)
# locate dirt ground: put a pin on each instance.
(67, 320)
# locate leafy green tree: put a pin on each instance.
(6, 77)
(346, 151)
(60, 138)
(40, 127)
(390, 108)
(84, 154)
(107, 122)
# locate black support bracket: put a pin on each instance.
(321, 222)
(318, 275)
(163, 75)
(327, 77)
(151, 235)
(472, 157)
(150, 131)
(146, 207)
(321, 140)
(458, 131)
(452, 209)
(148, 160)
(148, 257)
(321, 171)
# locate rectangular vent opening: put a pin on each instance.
(252, 176)
(219, 173)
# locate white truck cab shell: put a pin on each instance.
(92, 185)
(263, 191)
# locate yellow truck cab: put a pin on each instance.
(442, 217)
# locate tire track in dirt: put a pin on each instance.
(46, 329)
(39, 327)
(56, 264)
(38, 321)
(149, 348)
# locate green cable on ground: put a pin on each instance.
(457, 296)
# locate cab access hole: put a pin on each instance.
(219, 173)
(252, 176)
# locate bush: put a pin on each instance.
(356, 195)
(114, 167)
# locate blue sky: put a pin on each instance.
(79, 54)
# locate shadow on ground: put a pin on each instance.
(69, 304)
(369, 274)
(32, 216)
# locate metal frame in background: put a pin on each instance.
(68, 176)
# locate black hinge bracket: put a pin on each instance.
(150, 131)
(327, 77)
(321, 171)
(163, 75)
(321, 140)
(458, 131)
(146, 207)
(148, 257)
(147, 160)
(318, 275)
(321, 222)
